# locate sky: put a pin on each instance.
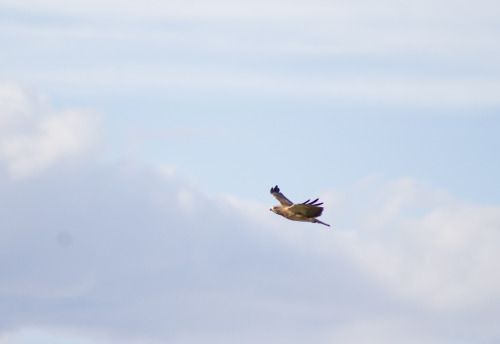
(139, 141)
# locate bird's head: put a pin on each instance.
(274, 209)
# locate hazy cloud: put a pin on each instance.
(431, 249)
(34, 137)
(122, 251)
(430, 53)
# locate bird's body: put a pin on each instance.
(305, 212)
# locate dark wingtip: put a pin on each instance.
(313, 202)
(275, 189)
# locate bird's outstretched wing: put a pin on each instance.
(280, 197)
(308, 208)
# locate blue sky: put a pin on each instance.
(139, 141)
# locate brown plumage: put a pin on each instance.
(305, 212)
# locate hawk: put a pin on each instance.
(306, 212)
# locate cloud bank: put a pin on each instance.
(124, 253)
(434, 53)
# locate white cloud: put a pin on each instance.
(34, 137)
(18, 106)
(431, 53)
(430, 249)
(300, 26)
(34, 336)
(126, 253)
(449, 91)
(121, 253)
(152, 258)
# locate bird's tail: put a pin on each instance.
(318, 221)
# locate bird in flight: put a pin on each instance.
(306, 212)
